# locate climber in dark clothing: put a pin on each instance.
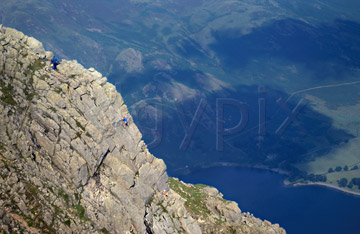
(54, 63)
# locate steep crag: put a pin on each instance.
(67, 165)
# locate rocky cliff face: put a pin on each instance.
(67, 165)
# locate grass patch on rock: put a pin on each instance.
(58, 90)
(80, 212)
(104, 230)
(37, 65)
(44, 77)
(53, 109)
(79, 125)
(7, 93)
(2, 147)
(67, 222)
(194, 196)
(64, 195)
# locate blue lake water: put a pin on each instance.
(300, 210)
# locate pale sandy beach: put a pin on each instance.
(326, 185)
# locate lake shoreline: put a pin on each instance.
(275, 170)
(323, 185)
(264, 194)
(187, 169)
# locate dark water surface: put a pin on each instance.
(303, 209)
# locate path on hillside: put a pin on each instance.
(320, 87)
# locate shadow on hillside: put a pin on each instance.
(312, 131)
(325, 48)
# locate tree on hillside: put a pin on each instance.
(320, 178)
(346, 168)
(311, 177)
(338, 168)
(330, 170)
(355, 167)
(343, 182)
(356, 181)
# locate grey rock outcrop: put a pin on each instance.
(67, 164)
(130, 60)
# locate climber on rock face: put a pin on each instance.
(54, 63)
(165, 194)
(125, 121)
